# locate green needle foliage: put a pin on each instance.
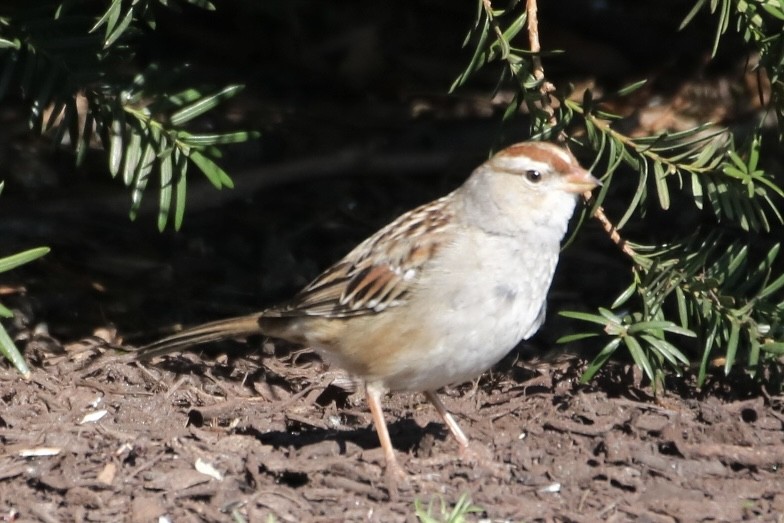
(492, 36)
(7, 347)
(75, 69)
(715, 294)
(458, 514)
(760, 23)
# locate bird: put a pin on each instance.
(437, 296)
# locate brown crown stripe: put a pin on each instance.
(542, 152)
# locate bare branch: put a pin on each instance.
(610, 229)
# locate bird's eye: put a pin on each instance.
(533, 176)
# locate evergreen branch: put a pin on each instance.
(144, 143)
(737, 190)
(7, 347)
(85, 103)
(760, 24)
(719, 295)
(707, 282)
(122, 15)
(493, 32)
(644, 339)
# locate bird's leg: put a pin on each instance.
(454, 428)
(373, 393)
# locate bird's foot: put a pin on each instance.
(396, 479)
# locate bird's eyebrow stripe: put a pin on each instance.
(513, 166)
(558, 159)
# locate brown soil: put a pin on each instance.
(102, 439)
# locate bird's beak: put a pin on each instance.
(580, 181)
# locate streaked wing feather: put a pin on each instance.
(378, 273)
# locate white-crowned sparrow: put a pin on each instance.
(440, 294)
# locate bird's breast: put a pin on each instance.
(472, 306)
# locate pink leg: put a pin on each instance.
(454, 428)
(374, 394)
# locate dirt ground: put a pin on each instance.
(263, 439)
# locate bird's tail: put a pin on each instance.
(206, 333)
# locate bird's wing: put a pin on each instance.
(379, 272)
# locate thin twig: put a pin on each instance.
(533, 39)
(610, 229)
(546, 88)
